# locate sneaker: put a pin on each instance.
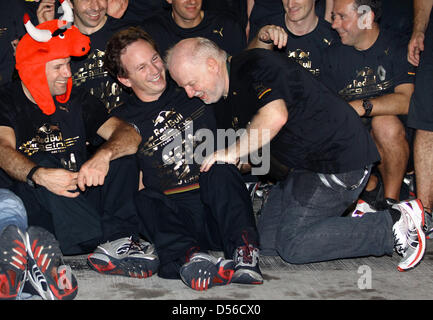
(247, 270)
(428, 227)
(204, 271)
(409, 237)
(47, 273)
(361, 208)
(13, 263)
(125, 257)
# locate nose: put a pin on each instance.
(336, 22)
(94, 4)
(66, 71)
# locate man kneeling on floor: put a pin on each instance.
(315, 133)
(185, 212)
(44, 128)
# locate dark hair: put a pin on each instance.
(375, 6)
(116, 47)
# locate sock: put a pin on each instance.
(395, 215)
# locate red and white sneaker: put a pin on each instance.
(361, 208)
(409, 237)
(50, 277)
(204, 271)
(13, 263)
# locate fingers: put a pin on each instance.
(274, 34)
(91, 177)
(208, 163)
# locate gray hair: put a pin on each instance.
(201, 49)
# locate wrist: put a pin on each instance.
(367, 105)
(32, 176)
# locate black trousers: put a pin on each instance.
(217, 216)
(98, 214)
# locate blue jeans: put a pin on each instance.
(12, 211)
(303, 220)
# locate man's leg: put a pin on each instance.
(389, 135)
(313, 229)
(423, 158)
(232, 220)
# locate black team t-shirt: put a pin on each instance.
(322, 134)
(61, 134)
(170, 123)
(308, 49)
(370, 73)
(88, 72)
(221, 28)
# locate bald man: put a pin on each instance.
(315, 134)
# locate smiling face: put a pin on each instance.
(145, 70)
(186, 13)
(297, 10)
(201, 79)
(58, 73)
(90, 15)
(345, 21)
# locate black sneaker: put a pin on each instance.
(204, 271)
(375, 198)
(13, 263)
(47, 273)
(247, 270)
(125, 257)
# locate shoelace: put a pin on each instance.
(129, 247)
(246, 252)
(398, 245)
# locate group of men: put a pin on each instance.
(110, 154)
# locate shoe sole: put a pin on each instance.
(43, 248)
(245, 276)
(198, 274)
(105, 264)
(421, 238)
(18, 263)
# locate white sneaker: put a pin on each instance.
(125, 257)
(409, 237)
(361, 208)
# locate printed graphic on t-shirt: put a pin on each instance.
(169, 127)
(48, 138)
(105, 88)
(368, 82)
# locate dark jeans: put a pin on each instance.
(303, 221)
(97, 215)
(214, 217)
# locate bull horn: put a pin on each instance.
(68, 14)
(36, 34)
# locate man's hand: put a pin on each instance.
(223, 155)
(116, 8)
(46, 10)
(94, 171)
(59, 181)
(273, 34)
(416, 45)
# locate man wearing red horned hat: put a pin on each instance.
(44, 129)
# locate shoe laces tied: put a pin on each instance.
(245, 252)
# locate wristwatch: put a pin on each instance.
(29, 178)
(368, 106)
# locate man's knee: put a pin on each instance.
(387, 130)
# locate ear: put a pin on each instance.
(124, 81)
(169, 1)
(212, 65)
